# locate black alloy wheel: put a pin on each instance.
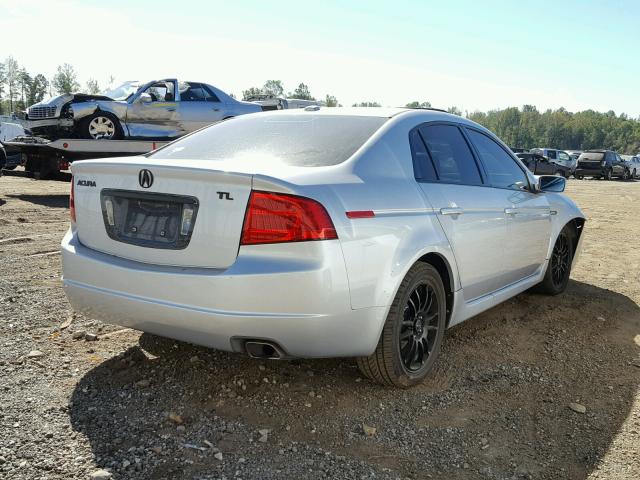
(560, 260)
(419, 328)
(413, 330)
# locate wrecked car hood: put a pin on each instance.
(71, 97)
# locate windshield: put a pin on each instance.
(591, 156)
(122, 91)
(301, 139)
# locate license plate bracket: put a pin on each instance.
(152, 220)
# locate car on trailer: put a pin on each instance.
(161, 109)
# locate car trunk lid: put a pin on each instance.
(183, 214)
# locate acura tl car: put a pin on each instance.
(160, 109)
(320, 232)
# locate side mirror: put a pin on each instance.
(144, 98)
(551, 183)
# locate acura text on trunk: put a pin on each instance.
(322, 232)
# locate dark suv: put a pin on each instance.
(601, 164)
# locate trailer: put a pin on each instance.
(45, 158)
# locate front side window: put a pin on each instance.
(161, 92)
(450, 154)
(503, 170)
(563, 156)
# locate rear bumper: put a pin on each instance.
(589, 172)
(303, 307)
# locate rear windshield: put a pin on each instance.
(293, 139)
(591, 156)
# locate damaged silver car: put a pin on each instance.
(160, 109)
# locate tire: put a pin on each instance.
(608, 175)
(100, 126)
(558, 271)
(626, 174)
(579, 177)
(635, 174)
(415, 323)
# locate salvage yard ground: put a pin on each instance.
(504, 401)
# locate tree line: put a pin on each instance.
(19, 89)
(524, 127)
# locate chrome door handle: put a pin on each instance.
(451, 211)
(511, 211)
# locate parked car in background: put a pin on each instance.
(271, 102)
(160, 109)
(636, 166)
(601, 164)
(633, 164)
(574, 154)
(540, 165)
(317, 233)
(559, 157)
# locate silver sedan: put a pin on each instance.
(321, 232)
(160, 109)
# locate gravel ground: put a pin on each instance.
(540, 388)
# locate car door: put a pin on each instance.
(565, 159)
(528, 215)
(153, 113)
(198, 106)
(471, 214)
(545, 167)
(619, 165)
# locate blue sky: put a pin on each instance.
(475, 55)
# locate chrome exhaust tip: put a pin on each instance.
(260, 349)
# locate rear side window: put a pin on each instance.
(451, 156)
(551, 154)
(423, 165)
(503, 170)
(297, 139)
(195, 92)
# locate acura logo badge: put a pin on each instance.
(145, 178)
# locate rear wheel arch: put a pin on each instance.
(446, 274)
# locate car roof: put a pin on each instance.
(380, 112)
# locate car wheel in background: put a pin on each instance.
(412, 333)
(558, 271)
(626, 174)
(579, 177)
(633, 177)
(100, 126)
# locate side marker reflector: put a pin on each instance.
(361, 214)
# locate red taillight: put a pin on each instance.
(278, 217)
(72, 204)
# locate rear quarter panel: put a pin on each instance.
(379, 251)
